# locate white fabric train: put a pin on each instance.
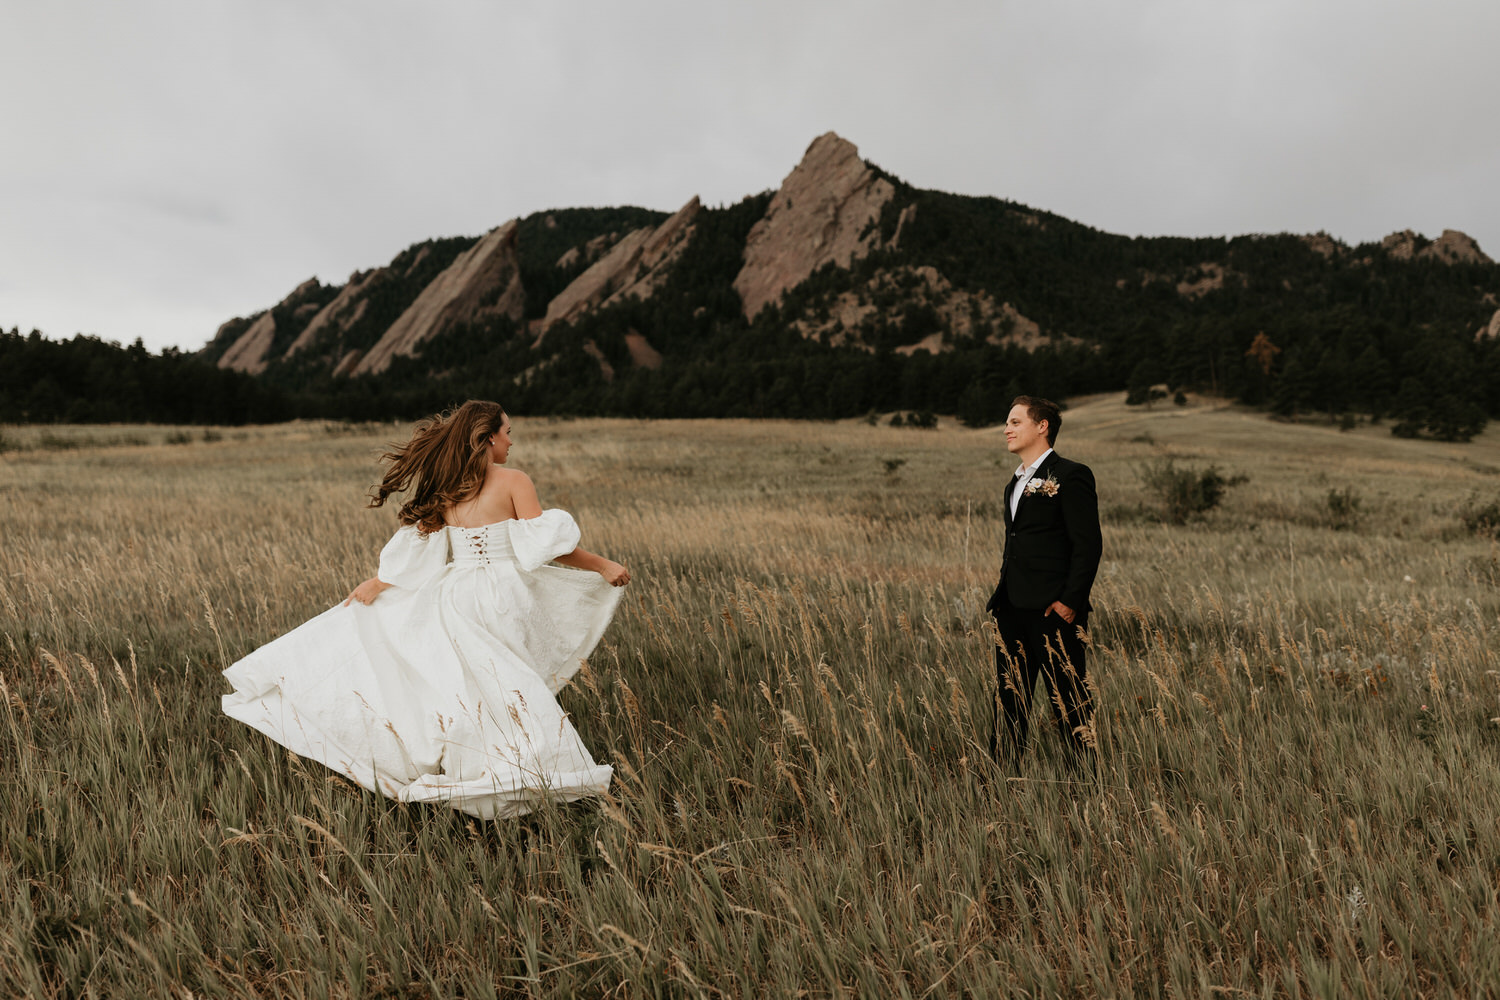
(442, 689)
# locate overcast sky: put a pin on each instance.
(165, 166)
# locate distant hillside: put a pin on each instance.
(847, 291)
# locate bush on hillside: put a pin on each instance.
(1183, 492)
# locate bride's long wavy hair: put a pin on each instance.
(444, 463)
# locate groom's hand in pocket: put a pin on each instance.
(1061, 610)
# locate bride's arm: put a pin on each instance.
(368, 591)
(613, 572)
(527, 505)
(410, 559)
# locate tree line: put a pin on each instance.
(89, 380)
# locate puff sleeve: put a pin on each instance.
(539, 540)
(411, 559)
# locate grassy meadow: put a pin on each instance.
(1299, 791)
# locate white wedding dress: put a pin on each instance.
(442, 688)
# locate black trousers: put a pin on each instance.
(1032, 643)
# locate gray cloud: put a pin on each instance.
(173, 164)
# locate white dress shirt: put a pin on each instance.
(1023, 476)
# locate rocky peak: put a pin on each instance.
(1402, 245)
(822, 212)
(482, 282)
(1453, 247)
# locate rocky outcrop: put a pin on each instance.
(482, 282)
(605, 368)
(907, 217)
(1402, 245)
(823, 212)
(962, 314)
(1323, 244)
(346, 309)
(1196, 282)
(336, 319)
(588, 252)
(248, 352)
(633, 268)
(251, 350)
(347, 362)
(1453, 247)
(1492, 331)
(1199, 281)
(642, 354)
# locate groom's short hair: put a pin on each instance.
(1039, 409)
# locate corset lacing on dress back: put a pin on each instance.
(481, 546)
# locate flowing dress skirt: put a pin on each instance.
(443, 688)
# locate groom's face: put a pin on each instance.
(1022, 434)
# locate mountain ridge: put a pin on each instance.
(844, 267)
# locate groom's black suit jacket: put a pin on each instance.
(1053, 545)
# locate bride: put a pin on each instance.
(434, 681)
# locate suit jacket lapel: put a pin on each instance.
(1036, 477)
(1009, 489)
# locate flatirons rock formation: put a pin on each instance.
(902, 274)
(251, 350)
(822, 213)
(346, 309)
(484, 281)
(1491, 331)
(248, 353)
(632, 268)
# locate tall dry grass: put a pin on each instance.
(1298, 792)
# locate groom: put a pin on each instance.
(1052, 549)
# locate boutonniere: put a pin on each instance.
(1048, 486)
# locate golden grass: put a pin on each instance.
(1298, 792)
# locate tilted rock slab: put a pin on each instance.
(633, 268)
(333, 314)
(482, 282)
(248, 352)
(642, 354)
(1492, 331)
(821, 213)
(350, 305)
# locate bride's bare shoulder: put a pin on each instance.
(509, 478)
(512, 483)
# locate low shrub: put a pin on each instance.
(1184, 492)
(1481, 519)
(1343, 508)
